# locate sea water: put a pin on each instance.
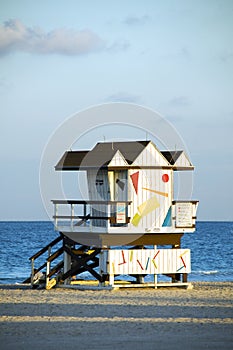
(211, 249)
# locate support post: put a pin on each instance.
(140, 279)
(48, 267)
(72, 215)
(155, 275)
(111, 280)
(91, 219)
(101, 263)
(47, 273)
(85, 212)
(67, 266)
(55, 214)
(32, 271)
(155, 280)
(185, 278)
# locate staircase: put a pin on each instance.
(82, 259)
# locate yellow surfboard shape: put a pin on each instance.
(148, 206)
(145, 208)
(136, 219)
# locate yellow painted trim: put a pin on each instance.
(51, 283)
(165, 194)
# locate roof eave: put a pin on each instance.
(183, 168)
(125, 167)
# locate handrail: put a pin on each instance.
(184, 201)
(56, 268)
(43, 250)
(72, 201)
(55, 255)
(119, 215)
(82, 217)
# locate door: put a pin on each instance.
(121, 185)
(118, 184)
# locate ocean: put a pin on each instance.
(211, 249)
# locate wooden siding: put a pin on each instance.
(118, 160)
(151, 185)
(145, 261)
(183, 161)
(151, 156)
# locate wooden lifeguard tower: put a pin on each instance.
(131, 210)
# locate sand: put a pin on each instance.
(166, 318)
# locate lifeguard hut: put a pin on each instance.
(131, 210)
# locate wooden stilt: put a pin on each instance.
(185, 278)
(111, 280)
(32, 271)
(67, 266)
(155, 280)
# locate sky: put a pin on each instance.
(61, 57)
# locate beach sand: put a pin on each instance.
(168, 318)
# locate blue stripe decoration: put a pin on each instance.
(168, 218)
(147, 262)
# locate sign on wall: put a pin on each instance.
(184, 214)
(120, 214)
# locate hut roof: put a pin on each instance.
(71, 160)
(171, 156)
(103, 152)
(101, 155)
(130, 150)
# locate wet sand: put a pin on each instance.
(168, 318)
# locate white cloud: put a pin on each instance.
(15, 36)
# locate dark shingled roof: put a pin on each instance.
(101, 155)
(171, 156)
(129, 150)
(71, 160)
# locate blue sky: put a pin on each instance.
(60, 57)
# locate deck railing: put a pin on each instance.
(75, 213)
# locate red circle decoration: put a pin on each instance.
(165, 178)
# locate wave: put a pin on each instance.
(211, 272)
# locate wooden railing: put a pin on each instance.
(110, 212)
(47, 264)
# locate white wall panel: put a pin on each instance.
(146, 261)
